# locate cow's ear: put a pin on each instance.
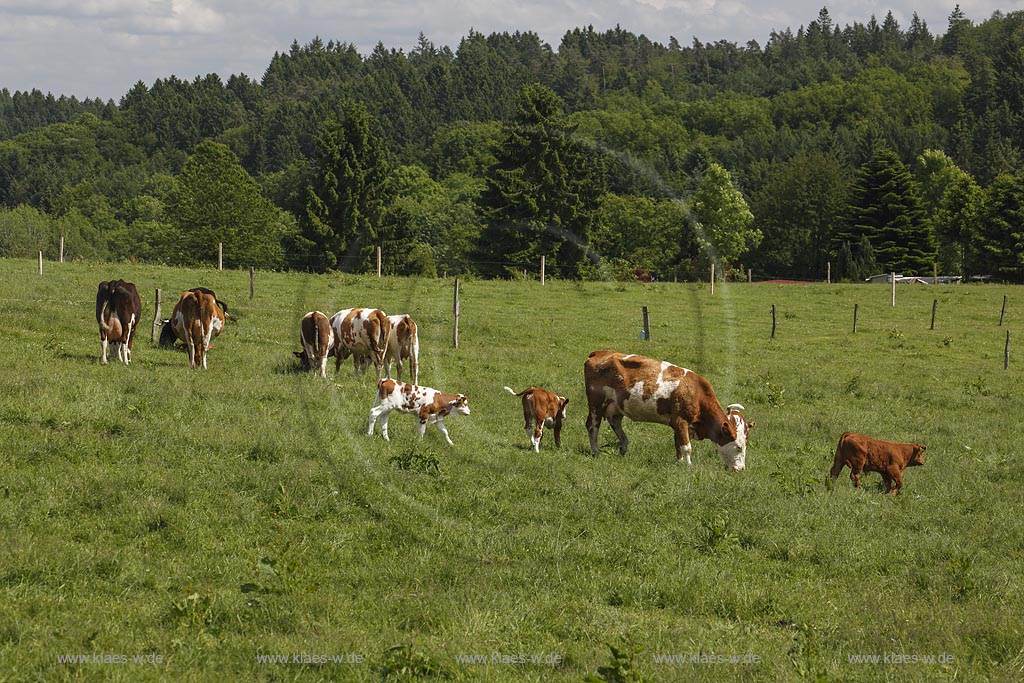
(751, 424)
(728, 428)
(298, 354)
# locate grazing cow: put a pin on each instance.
(317, 338)
(403, 345)
(430, 405)
(167, 336)
(648, 390)
(541, 408)
(864, 454)
(360, 332)
(118, 311)
(196, 320)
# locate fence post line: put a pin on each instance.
(855, 307)
(542, 270)
(156, 316)
(935, 273)
(252, 282)
(892, 281)
(647, 323)
(828, 277)
(750, 275)
(1001, 312)
(378, 261)
(773, 321)
(712, 279)
(40, 263)
(935, 302)
(62, 248)
(1006, 352)
(220, 256)
(455, 315)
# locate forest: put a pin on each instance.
(858, 149)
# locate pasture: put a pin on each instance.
(213, 521)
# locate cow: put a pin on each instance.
(196, 320)
(540, 409)
(865, 454)
(648, 390)
(118, 312)
(360, 332)
(317, 338)
(430, 405)
(167, 336)
(403, 345)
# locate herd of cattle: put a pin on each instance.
(617, 385)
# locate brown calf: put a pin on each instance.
(196, 319)
(317, 338)
(864, 454)
(540, 408)
(118, 311)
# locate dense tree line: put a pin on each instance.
(871, 147)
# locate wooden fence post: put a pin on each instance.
(712, 279)
(892, 280)
(935, 302)
(378, 261)
(62, 248)
(455, 314)
(252, 282)
(40, 263)
(156, 317)
(647, 323)
(1001, 313)
(773, 321)
(542, 269)
(1006, 352)
(220, 256)
(828, 276)
(855, 307)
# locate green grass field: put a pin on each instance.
(208, 520)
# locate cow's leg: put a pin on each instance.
(444, 431)
(616, 422)
(126, 342)
(683, 446)
(593, 427)
(323, 367)
(538, 434)
(384, 425)
(855, 470)
(895, 476)
(103, 349)
(422, 428)
(414, 369)
(376, 412)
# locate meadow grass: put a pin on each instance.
(213, 518)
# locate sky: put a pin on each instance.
(101, 48)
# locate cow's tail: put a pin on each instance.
(103, 317)
(514, 393)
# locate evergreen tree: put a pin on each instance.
(886, 210)
(346, 204)
(1002, 233)
(542, 193)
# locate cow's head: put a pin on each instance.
(916, 456)
(303, 358)
(460, 405)
(732, 445)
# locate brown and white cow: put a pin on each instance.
(865, 454)
(430, 405)
(196, 319)
(403, 345)
(541, 408)
(317, 338)
(360, 332)
(648, 390)
(118, 312)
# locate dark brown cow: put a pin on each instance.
(540, 408)
(196, 319)
(865, 454)
(317, 338)
(360, 332)
(648, 390)
(430, 405)
(118, 311)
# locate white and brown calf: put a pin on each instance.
(541, 408)
(429, 405)
(196, 319)
(648, 390)
(317, 338)
(360, 332)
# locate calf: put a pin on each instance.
(403, 345)
(648, 390)
(118, 311)
(541, 408)
(889, 458)
(360, 332)
(317, 338)
(430, 405)
(196, 320)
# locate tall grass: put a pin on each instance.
(212, 518)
